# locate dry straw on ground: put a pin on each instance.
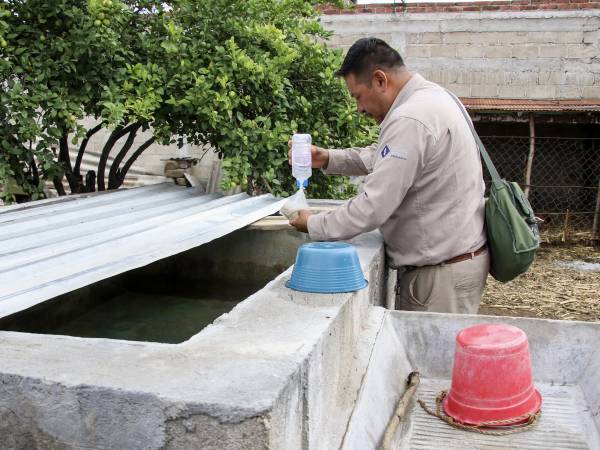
(549, 290)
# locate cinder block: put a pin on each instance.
(477, 78)
(502, 38)
(570, 37)
(490, 38)
(175, 173)
(533, 37)
(417, 51)
(414, 38)
(461, 90)
(553, 51)
(469, 51)
(511, 91)
(525, 51)
(592, 37)
(592, 92)
(442, 51)
(445, 76)
(556, 78)
(497, 78)
(461, 37)
(338, 40)
(498, 51)
(432, 38)
(527, 78)
(582, 51)
(484, 90)
(467, 78)
(580, 78)
(424, 38)
(541, 92)
(569, 92)
(170, 165)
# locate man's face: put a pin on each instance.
(368, 95)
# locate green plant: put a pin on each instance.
(242, 76)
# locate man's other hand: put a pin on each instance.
(320, 156)
(301, 221)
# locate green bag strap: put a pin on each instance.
(484, 154)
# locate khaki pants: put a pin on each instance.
(448, 288)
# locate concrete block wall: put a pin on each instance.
(534, 52)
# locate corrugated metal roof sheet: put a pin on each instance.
(55, 247)
(497, 104)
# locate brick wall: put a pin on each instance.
(542, 54)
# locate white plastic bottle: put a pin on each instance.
(301, 158)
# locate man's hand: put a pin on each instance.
(301, 221)
(320, 156)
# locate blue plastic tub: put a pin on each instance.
(327, 267)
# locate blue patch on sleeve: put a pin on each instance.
(387, 151)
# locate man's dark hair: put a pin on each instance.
(367, 55)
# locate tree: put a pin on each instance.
(241, 76)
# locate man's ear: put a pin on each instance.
(380, 79)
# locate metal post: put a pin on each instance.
(595, 226)
(530, 156)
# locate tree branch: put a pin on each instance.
(131, 160)
(114, 137)
(58, 186)
(64, 157)
(88, 135)
(35, 174)
(113, 174)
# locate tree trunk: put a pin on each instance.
(82, 147)
(64, 157)
(114, 137)
(35, 175)
(58, 186)
(114, 173)
(90, 181)
(122, 173)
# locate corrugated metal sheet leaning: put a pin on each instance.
(56, 247)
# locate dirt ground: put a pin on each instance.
(549, 289)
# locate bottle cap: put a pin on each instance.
(304, 184)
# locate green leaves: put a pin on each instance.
(240, 75)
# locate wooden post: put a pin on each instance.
(530, 156)
(596, 225)
(565, 234)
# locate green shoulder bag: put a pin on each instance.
(512, 228)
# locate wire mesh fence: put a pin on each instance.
(564, 182)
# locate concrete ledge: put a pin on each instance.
(280, 371)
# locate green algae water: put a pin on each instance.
(171, 299)
(155, 311)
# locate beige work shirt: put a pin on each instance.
(423, 188)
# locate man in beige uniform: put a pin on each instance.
(423, 188)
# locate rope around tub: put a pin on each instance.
(531, 419)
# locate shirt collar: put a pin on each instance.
(407, 90)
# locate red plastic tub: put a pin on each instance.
(491, 378)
